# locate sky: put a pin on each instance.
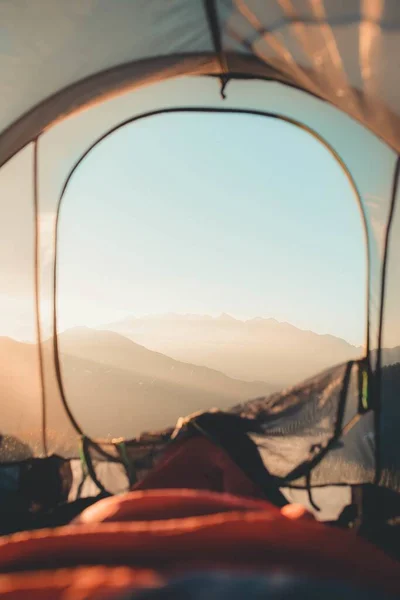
(206, 213)
(197, 213)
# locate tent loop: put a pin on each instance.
(224, 79)
(215, 30)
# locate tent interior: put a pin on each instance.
(201, 213)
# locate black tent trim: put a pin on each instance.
(378, 375)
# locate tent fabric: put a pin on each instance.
(316, 433)
(305, 418)
(343, 52)
(297, 427)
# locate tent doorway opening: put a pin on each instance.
(208, 267)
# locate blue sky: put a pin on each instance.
(207, 213)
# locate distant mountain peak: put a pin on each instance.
(172, 316)
(75, 330)
(226, 317)
(256, 320)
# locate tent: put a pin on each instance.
(328, 67)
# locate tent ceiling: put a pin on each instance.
(59, 55)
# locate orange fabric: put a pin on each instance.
(163, 504)
(248, 540)
(197, 463)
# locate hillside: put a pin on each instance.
(20, 395)
(257, 349)
(149, 389)
(21, 402)
(114, 386)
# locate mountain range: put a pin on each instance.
(119, 387)
(256, 349)
(151, 389)
(105, 376)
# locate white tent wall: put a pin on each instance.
(49, 46)
(340, 50)
(20, 381)
(58, 56)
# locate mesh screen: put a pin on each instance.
(300, 423)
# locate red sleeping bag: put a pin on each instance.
(153, 535)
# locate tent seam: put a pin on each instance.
(37, 292)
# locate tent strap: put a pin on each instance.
(215, 30)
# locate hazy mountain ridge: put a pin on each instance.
(106, 375)
(97, 344)
(253, 349)
(19, 384)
